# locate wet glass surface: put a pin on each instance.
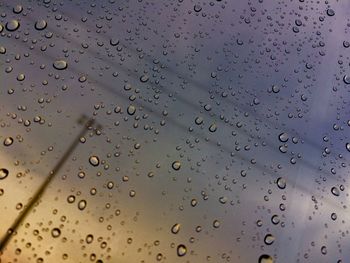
(174, 131)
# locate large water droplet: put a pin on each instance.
(265, 259)
(269, 239)
(3, 173)
(175, 228)
(12, 25)
(8, 141)
(281, 183)
(335, 191)
(176, 165)
(94, 160)
(82, 204)
(60, 64)
(55, 232)
(181, 250)
(40, 24)
(283, 137)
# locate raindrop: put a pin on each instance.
(176, 165)
(82, 204)
(94, 160)
(55, 232)
(330, 12)
(144, 78)
(283, 137)
(269, 239)
(216, 224)
(60, 64)
(181, 250)
(265, 259)
(8, 141)
(197, 8)
(334, 216)
(2, 50)
(40, 24)
(12, 25)
(17, 9)
(3, 173)
(213, 127)
(89, 238)
(131, 110)
(175, 228)
(347, 146)
(281, 183)
(346, 79)
(335, 191)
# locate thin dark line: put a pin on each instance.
(33, 201)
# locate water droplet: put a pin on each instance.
(8, 141)
(3, 173)
(269, 239)
(347, 146)
(55, 232)
(216, 224)
(175, 228)
(213, 127)
(12, 25)
(283, 137)
(60, 64)
(131, 110)
(17, 9)
(330, 12)
(281, 183)
(89, 238)
(265, 259)
(324, 250)
(2, 50)
(198, 120)
(176, 165)
(181, 250)
(71, 199)
(82, 204)
(275, 219)
(40, 24)
(335, 191)
(334, 216)
(94, 160)
(21, 77)
(346, 79)
(197, 8)
(144, 78)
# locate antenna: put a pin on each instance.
(13, 229)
